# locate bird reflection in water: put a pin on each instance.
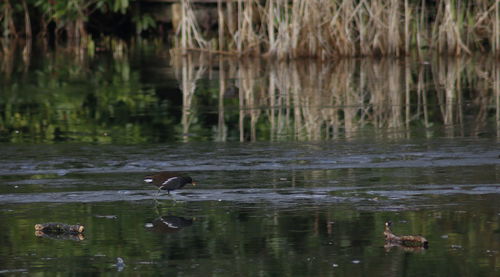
(409, 249)
(169, 224)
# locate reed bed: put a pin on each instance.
(288, 29)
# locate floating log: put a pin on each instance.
(408, 240)
(59, 228)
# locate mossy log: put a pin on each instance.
(59, 228)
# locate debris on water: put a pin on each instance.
(444, 236)
(491, 252)
(148, 225)
(13, 270)
(62, 172)
(335, 265)
(16, 186)
(456, 246)
(283, 179)
(107, 216)
(356, 261)
(120, 264)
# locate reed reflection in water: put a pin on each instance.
(226, 99)
(308, 100)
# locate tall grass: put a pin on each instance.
(327, 29)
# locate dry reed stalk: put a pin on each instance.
(295, 92)
(221, 127)
(496, 30)
(422, 93)
(421, 35)
(407, 85)
(220, 14)
(247, 73)
(248, 38)
(345, 17)
(26, 54)
(270, 24)
(279, 80)
(447, 26)
(374, 83)
(379, 30)
(190, 34)
(486, 25)
(394, 93)
(447, 84)
(278, 29)
(272, 105)
(362, 21)
(384, 83)
(393, 35)
(27, 21)
(9, 28)
(496, 91)
(284, 79)
(308, 105)
(237, 35)
(407, 36)
(350, 100)
(191, 73)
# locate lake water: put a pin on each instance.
(298, 164)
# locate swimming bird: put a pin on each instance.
(409, 240)
(168, 181)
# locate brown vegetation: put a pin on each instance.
(328, 29)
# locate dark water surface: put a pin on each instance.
(297, 169)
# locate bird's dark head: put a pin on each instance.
(189, 180)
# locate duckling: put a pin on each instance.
(409, 240)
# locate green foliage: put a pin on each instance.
(143, 23)
(69, 15)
